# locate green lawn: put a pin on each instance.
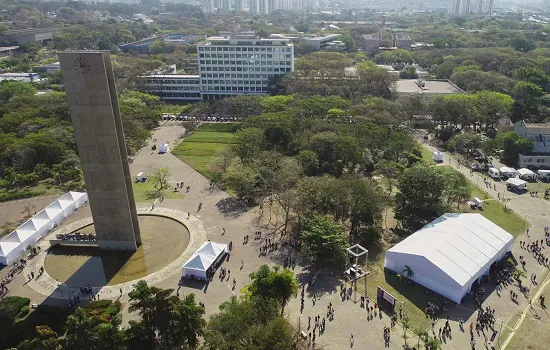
(540, 187)
(144, 192)
(42, 188)
(201, 149)
(494, 211)
(427, 155)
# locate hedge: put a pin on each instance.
(12, 305)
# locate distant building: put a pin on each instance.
(373, 42)
(319, 42)
(467, 7)
(242, 64)
(24, 77)
(142, 46)
(29, 36)
(165, 16)
(50, 68)
(425, 88)
(539, 133)
(7, 51)
(173, 87)
(228, 65)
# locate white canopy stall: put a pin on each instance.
(516, 183)
(437, 156)
(526, 174)
(508, 172)
(208, 255)
(451, 253)
(164, 148)
(39, 225)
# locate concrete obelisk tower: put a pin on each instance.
(93, 105)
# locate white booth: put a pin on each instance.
(516, 184)
(206, 257)
(508, 172)
(526, 174)
(437, 156)
(494, 173)
(164, 148)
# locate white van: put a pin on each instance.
(494, 173)
(140, 177)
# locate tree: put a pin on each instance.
(276, 284)
(251, 323)
(406, 325)
(533, 75)
(273, 104)
(159, 179)
(422, 334)
(492, 106)
(408, 72)
(522, 44)
(250, 142)
(244, 179)
(473, 80)
(399, 56)
(528, 98)
(433, 343)
(86, 332)
(11, 88)
(512, 145)
(167, 322)
(407, 271)
(420, 197)
(323, 238)
(309, 162)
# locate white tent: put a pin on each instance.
(517, 183)
(508, 172)
(206, 256)
(544, 174)
(437, 156)
(525, 173)
(451, 253)
(39, 225)
(164, 148)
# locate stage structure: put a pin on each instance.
(356, 258)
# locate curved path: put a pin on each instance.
(48, 286)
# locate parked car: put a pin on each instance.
(475, 167)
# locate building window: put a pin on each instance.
(540, 160)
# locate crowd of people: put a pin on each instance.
(76, 236)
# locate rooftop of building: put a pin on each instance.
(371, 36)
(537, 125)
(323, 38)
(173, 76)
(17, 74)
(8, 48)
(431, 86)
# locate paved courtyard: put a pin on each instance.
(220, 210)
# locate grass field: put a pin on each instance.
(494, 211)
(427, 155)
(144, 192)
(201, 148)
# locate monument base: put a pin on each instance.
(117, 245)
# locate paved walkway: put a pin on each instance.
(536, 212)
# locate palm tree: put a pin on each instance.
(421, 334)
(433, 344)
(407, 271)
(406, 325)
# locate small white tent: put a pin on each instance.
(164, 148)
(526, 174)
(200, 262)
(437, 156)
(516, 183)
(508, 172)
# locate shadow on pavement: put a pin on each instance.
(231, 207)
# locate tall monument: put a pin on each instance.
(93, 105)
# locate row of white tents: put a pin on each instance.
(523, 173)
(39, 225)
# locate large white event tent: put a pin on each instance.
(39, 225)
(449, 254)
(206, 256)
(526, 174)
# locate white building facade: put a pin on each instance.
(173, 87)
(242, 64)
(539, 133)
